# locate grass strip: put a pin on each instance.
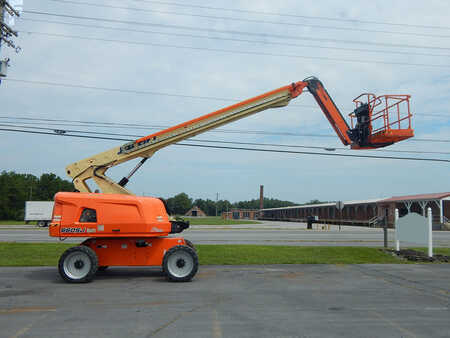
(3, 222)
(262, 254)
(47, 254)
(31, 254)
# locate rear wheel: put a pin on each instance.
(78, 264)
(180, 263)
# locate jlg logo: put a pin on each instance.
(73, 230)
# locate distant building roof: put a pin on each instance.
(197, 209)
(434, 196)
(331, 204)
(420, 197)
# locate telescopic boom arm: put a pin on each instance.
(359, 137)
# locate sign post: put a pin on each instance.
(430, 233)
(397, 240)
(340, 206)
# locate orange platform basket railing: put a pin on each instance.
(389, 115)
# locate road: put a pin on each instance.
(267, 233)
(404, 300)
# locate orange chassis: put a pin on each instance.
(123, 230)
(132, 251)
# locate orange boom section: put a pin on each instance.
(108, 215)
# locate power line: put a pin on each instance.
(237, 10)
(144, 92)
(65, 122)
(241, 52)
(328, 148)
(241, 148)
(226, 131)
(203, 29)
(323, 154)
(353, 29)
(238, 40)
(64, 131)
(133, 91)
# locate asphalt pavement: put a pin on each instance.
(267, 233)
(230, 301)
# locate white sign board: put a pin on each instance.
(414, 228)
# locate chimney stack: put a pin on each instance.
(261, 197)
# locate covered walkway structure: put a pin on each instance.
(353, 213)
(366, 212)
(438, 202)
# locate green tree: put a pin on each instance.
(16, 188)
(179, 204)
(49, 185)
(201, 204)
(207, 206)
(315, 201)
(223, 205)
(268, 203)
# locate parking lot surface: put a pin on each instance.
(230, 301)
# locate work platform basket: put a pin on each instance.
(389, 116)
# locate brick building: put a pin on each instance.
(240, 214)
(367, 212)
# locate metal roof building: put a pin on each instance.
(438, 202)
(366, 212)
(363, 212)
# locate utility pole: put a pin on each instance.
(2, 18)
(3, 63)
(6, 32)
(217, 200)
(261, 197)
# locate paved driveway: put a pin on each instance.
(231, 301)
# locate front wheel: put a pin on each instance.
(180, 263)
(78, 264)
(42, 224)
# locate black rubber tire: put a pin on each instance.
(86, 253)
(180, 251)
(103, 268)
(190, 244)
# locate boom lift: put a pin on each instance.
(126, 230)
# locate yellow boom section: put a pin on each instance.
(95, 167)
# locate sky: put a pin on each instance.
(174, 61)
